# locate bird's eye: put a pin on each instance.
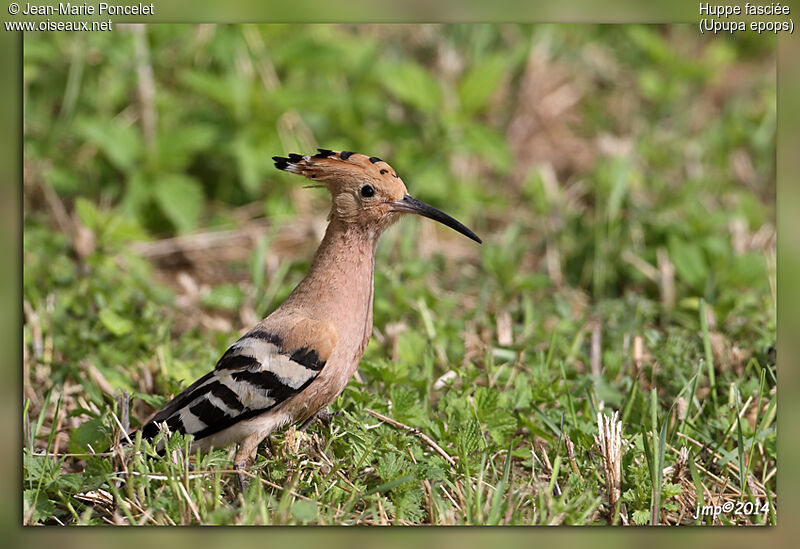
(367, 191)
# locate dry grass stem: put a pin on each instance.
(609, 442)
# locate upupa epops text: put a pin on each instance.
(295, 362)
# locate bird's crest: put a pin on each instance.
(363, 187)
(329, 166)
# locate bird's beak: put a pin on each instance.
(411, 205)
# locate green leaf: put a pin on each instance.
(44, 507)
(34, 467)
(670, 490)
(486, 401)
(121, 144)
(641, 516)
(114, 323)
(156, 401)
(747, 270)
(501, 425)
(410, 347)
(403, 400)
(690, 263)
(137, 196)
(88, 213)
(489, 145)
(224, 296)
(72, 482)
(91, 432)
(476, 88)
(63, 180)
(181, 199)
(250, 163)
(389, 466)
(210, 85)
(470, 438)
(183, 142)
(412, 84)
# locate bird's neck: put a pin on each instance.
(338, 286)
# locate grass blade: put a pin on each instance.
(386, 486)
(707, 349)
(499, 503)
(698, 484)
(740, 448)
(570, 404)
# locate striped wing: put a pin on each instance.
(255, 374)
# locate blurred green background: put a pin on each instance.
(621, 177)
(175, 126)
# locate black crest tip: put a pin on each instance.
(374, 159)
(281, 162)
(324, 153)
(295, 158)
(344, 155)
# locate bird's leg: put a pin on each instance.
(244, 455)
(241, 478)
(323, 415)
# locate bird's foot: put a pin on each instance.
(241, 478)
(323, 415)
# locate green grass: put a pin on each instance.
(640, 281)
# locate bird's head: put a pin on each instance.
(365, 189)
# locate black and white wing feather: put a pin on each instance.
(256, 374)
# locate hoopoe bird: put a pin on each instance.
(290, 366)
